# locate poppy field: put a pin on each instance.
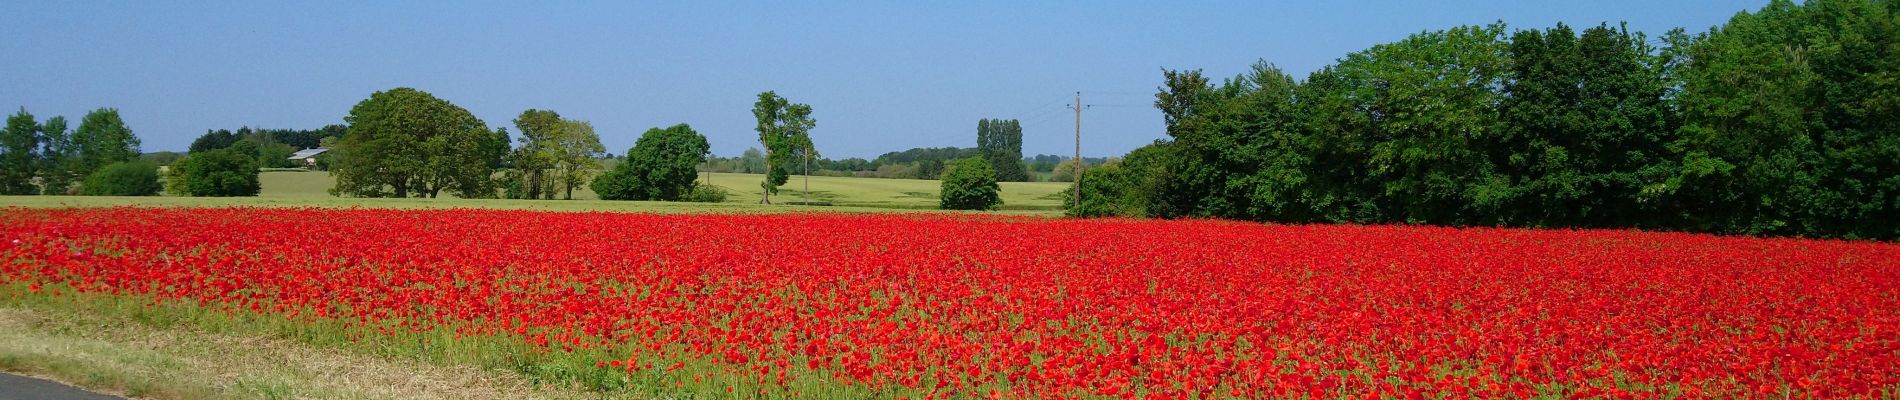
(960, 306)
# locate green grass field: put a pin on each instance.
(845, 194)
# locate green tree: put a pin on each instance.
(59, 157)
(536, 157)
(752, 161)
(1586, 130)
(213, 140)
(19, 154)
(660, 166)
(1236, 150)
(405, 142)
(785, 131)
(577, 150)
(1791, 123)
(1396, 131)
(129, 178)
(219, 173)
(970, 184)
(1001, 142)
(102, 139)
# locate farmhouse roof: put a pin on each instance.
(307, 153)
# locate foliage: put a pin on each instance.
(19, 154)
(535, 158)
(215, 173)
(662, 165)
(1792, 122)
(706, 194)
(1782, 122)
(970, 184)
(1064, 171)
(404, 142)
(128, 178)
(1135, 186)
(296, 139)
(1001, 142)
(101, 139)
(576, 152)
(162, 158)
(215, 139)
(785, 130)
(59, 158)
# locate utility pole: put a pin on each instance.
(808, 175)
(1078, 106)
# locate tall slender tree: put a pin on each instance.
(536, 157)
(577, 150)
(785, 130)
(19, 154)
(59, 157)
(1000, 141)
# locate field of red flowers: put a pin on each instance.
(960, 306)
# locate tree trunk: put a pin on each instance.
(765, 188)
(534, 184)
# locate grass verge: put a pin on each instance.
(116, 345)
(139, 347)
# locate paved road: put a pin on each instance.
(15, 387)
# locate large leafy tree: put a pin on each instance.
(785, 130)
(662, 165)
(405, 142)
(19, 154)
(1001, 143)
(102, 139)
(59, 157)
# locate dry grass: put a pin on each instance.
(136, 360)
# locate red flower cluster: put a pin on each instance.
(1016, 307)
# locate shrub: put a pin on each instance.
(706, 194)
(215, 173)
(130, 178)
(970, 184)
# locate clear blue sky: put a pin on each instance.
(880, 75)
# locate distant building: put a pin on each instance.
(308, 157)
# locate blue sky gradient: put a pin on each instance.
(880, 76)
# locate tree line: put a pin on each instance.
(1784, 121)
(271, 148)
(47, 158)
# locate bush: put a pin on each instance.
(618, 183)
(130, 178)
(706, 194)
(216, 173)
(970, 184)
